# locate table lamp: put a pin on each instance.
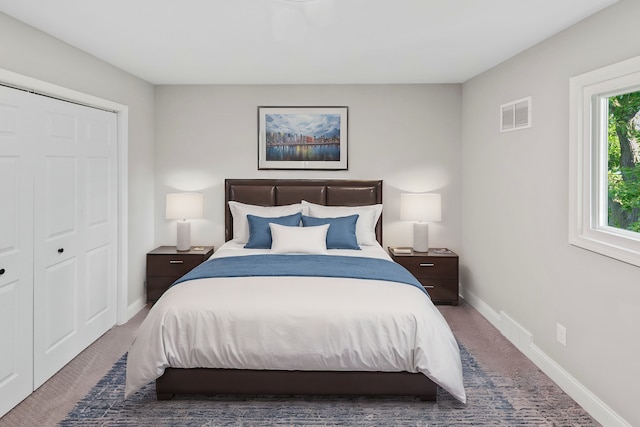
(184, 206)
(421, 208)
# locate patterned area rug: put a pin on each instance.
(491, 401)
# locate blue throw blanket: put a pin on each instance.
(305, 266)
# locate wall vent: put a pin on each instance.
(515, 115)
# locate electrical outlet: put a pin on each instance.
(561, 334)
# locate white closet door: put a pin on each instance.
(100, 223)
(75, 233)
(16, 248)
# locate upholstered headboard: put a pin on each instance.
(277, 192)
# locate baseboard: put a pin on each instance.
(523, 340)
(135, 307)
(482, 307)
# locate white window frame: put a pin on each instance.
(588, 187)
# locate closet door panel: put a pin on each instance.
(97, 279)
(100, 207)
(16, 248)
(9, 307)
(16, 362)
(61, 288)
(57, 254)
(98, 187)
(56, 229)
(60, 191)
(9, 196)
(99, 250)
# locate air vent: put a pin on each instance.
(515, 115)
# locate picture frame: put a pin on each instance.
(303, 138)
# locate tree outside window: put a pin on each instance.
(624, 161)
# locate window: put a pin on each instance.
(604, 181)
(623, 157)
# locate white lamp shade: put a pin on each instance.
(184, 205)
(420, 207)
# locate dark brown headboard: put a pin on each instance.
(277, 192)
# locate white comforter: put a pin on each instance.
(295, 323)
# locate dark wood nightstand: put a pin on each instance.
(166, 264)
(437, 270)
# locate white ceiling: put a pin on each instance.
(295, 42)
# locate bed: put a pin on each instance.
(292, 331)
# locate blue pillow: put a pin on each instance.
(260, 233)
(342, 230)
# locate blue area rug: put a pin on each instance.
(492, 401)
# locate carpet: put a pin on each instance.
(492, 400)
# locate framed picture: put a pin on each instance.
(302, 138)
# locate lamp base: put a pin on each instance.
(421, 236)
(183, 242)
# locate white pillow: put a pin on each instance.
(366, 225)
(299, 240)
(239, 213)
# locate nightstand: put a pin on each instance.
(437, 270)
(166, 264)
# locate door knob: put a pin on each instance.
(60, 250)
(1, 271)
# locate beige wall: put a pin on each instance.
(407, 135)
(515, 221)
(29, 52)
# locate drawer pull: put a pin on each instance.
(176, 261)
(428, 286)
(60, 250)
(427, 264)
(2, 271)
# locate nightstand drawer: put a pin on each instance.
(428, 267)
(165, 265)
(171, 265)
(436, 270)
(441, 290)
(156, 286)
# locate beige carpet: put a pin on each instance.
(50, 403)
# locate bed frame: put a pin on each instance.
(275, 192)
